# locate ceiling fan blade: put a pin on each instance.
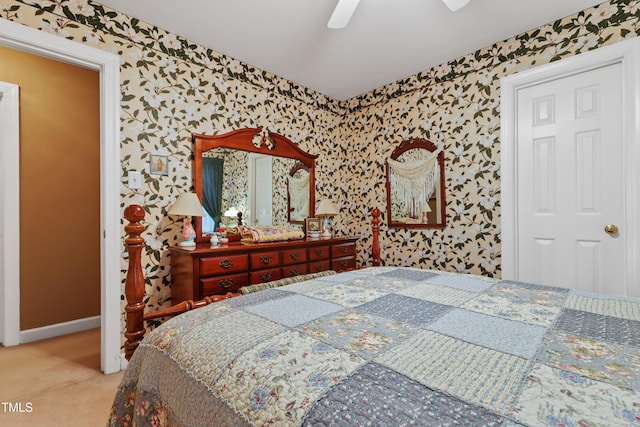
(454, 5)
(342, 14)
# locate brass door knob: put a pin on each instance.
(611, 229)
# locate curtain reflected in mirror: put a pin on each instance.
(213, 175)
(415, 185)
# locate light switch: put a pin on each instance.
(135, 180)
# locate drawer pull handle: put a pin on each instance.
(294, 255)
(226, 263)
(265, 259)
(319, 252)
(294, 271)
(265, 277)
(319, 267)
(226, 283)
(343, 263)
(343, 249)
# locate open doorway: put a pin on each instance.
(26, 39)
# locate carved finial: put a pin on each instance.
(263, 138)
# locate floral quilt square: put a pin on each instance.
(524, 303)
(386, 284)
(205, 349)
(613, 363)
(506, 308)
(269, 384)
(573, 400)
(361, 333)
(345, 295)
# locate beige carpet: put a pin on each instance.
(59, 379)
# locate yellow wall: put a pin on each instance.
(59, 188)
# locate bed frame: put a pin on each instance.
(135, 283)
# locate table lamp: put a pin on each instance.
(326, 209)
(187, 205)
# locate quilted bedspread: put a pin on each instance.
(388, 346)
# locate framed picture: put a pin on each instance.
(159, 164)
(312, 225)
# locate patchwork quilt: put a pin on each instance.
(387, 346)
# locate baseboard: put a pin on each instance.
(50, 331)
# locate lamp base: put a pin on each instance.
(187, 244)
(326, 234)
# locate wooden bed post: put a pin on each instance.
(375, 245)
(134, 286)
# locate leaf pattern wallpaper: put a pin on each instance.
(171, 87)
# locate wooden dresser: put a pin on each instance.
(208, 270)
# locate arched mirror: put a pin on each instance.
(248, 171)
(415, 185)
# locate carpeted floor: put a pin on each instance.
(56, 382)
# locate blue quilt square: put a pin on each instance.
(406, 309)
(415, 275)
(465, 283)
(293, 310)
(363, 399)
(508, 336)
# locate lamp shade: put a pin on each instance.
(232, 211)
(326, 208)
(454, 5)
(187, 204)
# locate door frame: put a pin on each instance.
(27, 39)
(627, 53)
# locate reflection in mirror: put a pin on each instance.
(232, 171)
(253, 184)
(298, 193)
(415, 185)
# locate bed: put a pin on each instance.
(391, 346)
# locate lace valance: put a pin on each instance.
(414, 182)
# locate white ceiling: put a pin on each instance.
(386, 40)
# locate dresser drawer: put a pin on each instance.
(344, 249)
(318, 266)
(222, 284)
(264, 260)
(341, 264)
(263, 276)
(294, 270)
(294, 256)
(317, 253)
(224, 264)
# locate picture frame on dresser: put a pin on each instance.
(312, 226)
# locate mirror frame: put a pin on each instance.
(241, 139)
(423, 144)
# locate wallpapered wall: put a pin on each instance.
(171, 88)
